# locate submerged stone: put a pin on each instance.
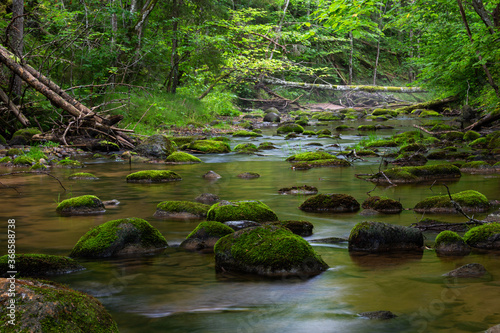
(248, 175)
(299, 190)
(153, 176)
(241, 210)
(181, 210)
(470, 201)
(43, 306)
(39, 265)
(330, 203)
(486, 236)
(130, 236)
(82, 205)
(468, 271)
(382, 315)
(156, 146)
(269, 251)
(205, 235)
(449, 243)
(207, 198)
(212, 175)
(383, 205)
(384, 237)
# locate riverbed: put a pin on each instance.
(179, 291)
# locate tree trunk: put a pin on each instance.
(351, 56)
(483, 14)
(22, 119)
(16, 34)
(173, 79)
(278, 30)
(304, 85)
(376, 63)
(436, 104)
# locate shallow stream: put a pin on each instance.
(179, 291)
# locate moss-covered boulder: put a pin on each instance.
(449, 243)
(205, 235)
(156, 146)
(310, 156)
(246, 148)
(471, 136)
(332, 163)
(272, 117)
(385, 112)
(417, 174)
(429, 114)
(477, 167)
(384, 237)
(248, 175)
(82, 205)
(26, 133)
(330, 203)
(380, 143)
(38, 265)
(383, 205)
(181, 210)
(69, 163)
(241, 210)
(43, 306)
(269, 251)
(486, 236)
(180, 157)
(82, 176)
(266, 146)
(246, 134)
(413, 147)
(130, 236)
(208, 147)
(367, 128)
(14, 152)
(470, 201)
(153, 176)
(298, 227)
(288, 128)
(299, 190)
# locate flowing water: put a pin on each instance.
(179, 291)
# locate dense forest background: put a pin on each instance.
(182, 62)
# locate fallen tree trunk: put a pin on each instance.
(436, 104)
(22, 119)
(304, 85)
(488, 119)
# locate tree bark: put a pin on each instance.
(173, 79)
(429, 105)
(304, 85)
(483, 14)
(351, 56)
(16, 33)
(22, 119)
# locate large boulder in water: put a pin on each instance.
(204, 237)
(267, 250)
(384, 237)
(82, 205)
(43, 306)
(449, 243)
(383, 205)
(241, 210)
(156, 146)
(470, 201)
(38, 265)
(330, 203)
(486, 236)
(131, 236)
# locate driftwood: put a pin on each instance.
(63, 100)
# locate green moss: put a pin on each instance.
(69, 163)
(429, 114)
(23, 160)
(358, 228)
(292, 135)
(310, 156)
(481, 233)
(101, 241)
(408, 137)
(38, 166)
(221, 138)
(246, 148)
(82, 175)
(153, 176)
(469, 200)
(211, 229)
(479, 143)
(301, 228)
(419, 173)
(303, 121)
(27, 133)
(182, 140)
(343, 128)
(182, 157)
(14, 152)
(381, 143)
(377, 118)
(382, 204)
(365, 128)
(36, 265)
(241, 210)
(441, 127)
(452, 136)
(6, 159)
(308, 133)
(385, 112)
(324, 131)
(266, 145)
(476, 165)
(208, 146)
(471, 136)
(246, 134)
(109, 144)
(330, 203)
(332, 162)
(288, 128)
(327, 116)
(90, 203)
(195, 208)
(493, 140)
(447, 237)
(413, 147)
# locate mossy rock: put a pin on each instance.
(341, 128)
(381, 143)
(299, 190)
(471, 136)
(39, 265)
(27, 133)
(248, 175)
(153, 176)
(182, 140)
(438, 155)
(181, 210)
(332, 162)
(486, 236)
(292, 135)
(470, 201)
(324, 131)
(408, 137)
(384, 237)
(330, 203)
(82, 176)
(268, 251)
(383, 205)
(241, 210)
(310, 156)
(14, 152)
(246, 148)
(68, 163)
(477, 167)
(452, 136)
(131, 236)
(300, 228)
(366, 152)
(385, 112)
(429, 114)
(156, 146)
(23, 160)
(82, 205)
(266, 146)
(205, 235)
(328, 116)
(416, 174)
(449, 243)
(246, 134)
(106, 146)
(288, 128)
(6, 159)
(208, 146)
(180, 157)
(43, 306)
(38, 167)
(479, 143)
(366, 128)
(302, 121)
(413, 147)
(493, 140)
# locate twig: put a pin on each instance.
(34, 172)
(137, 123)
(12, 187)
(459, 208)
(63, 139)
